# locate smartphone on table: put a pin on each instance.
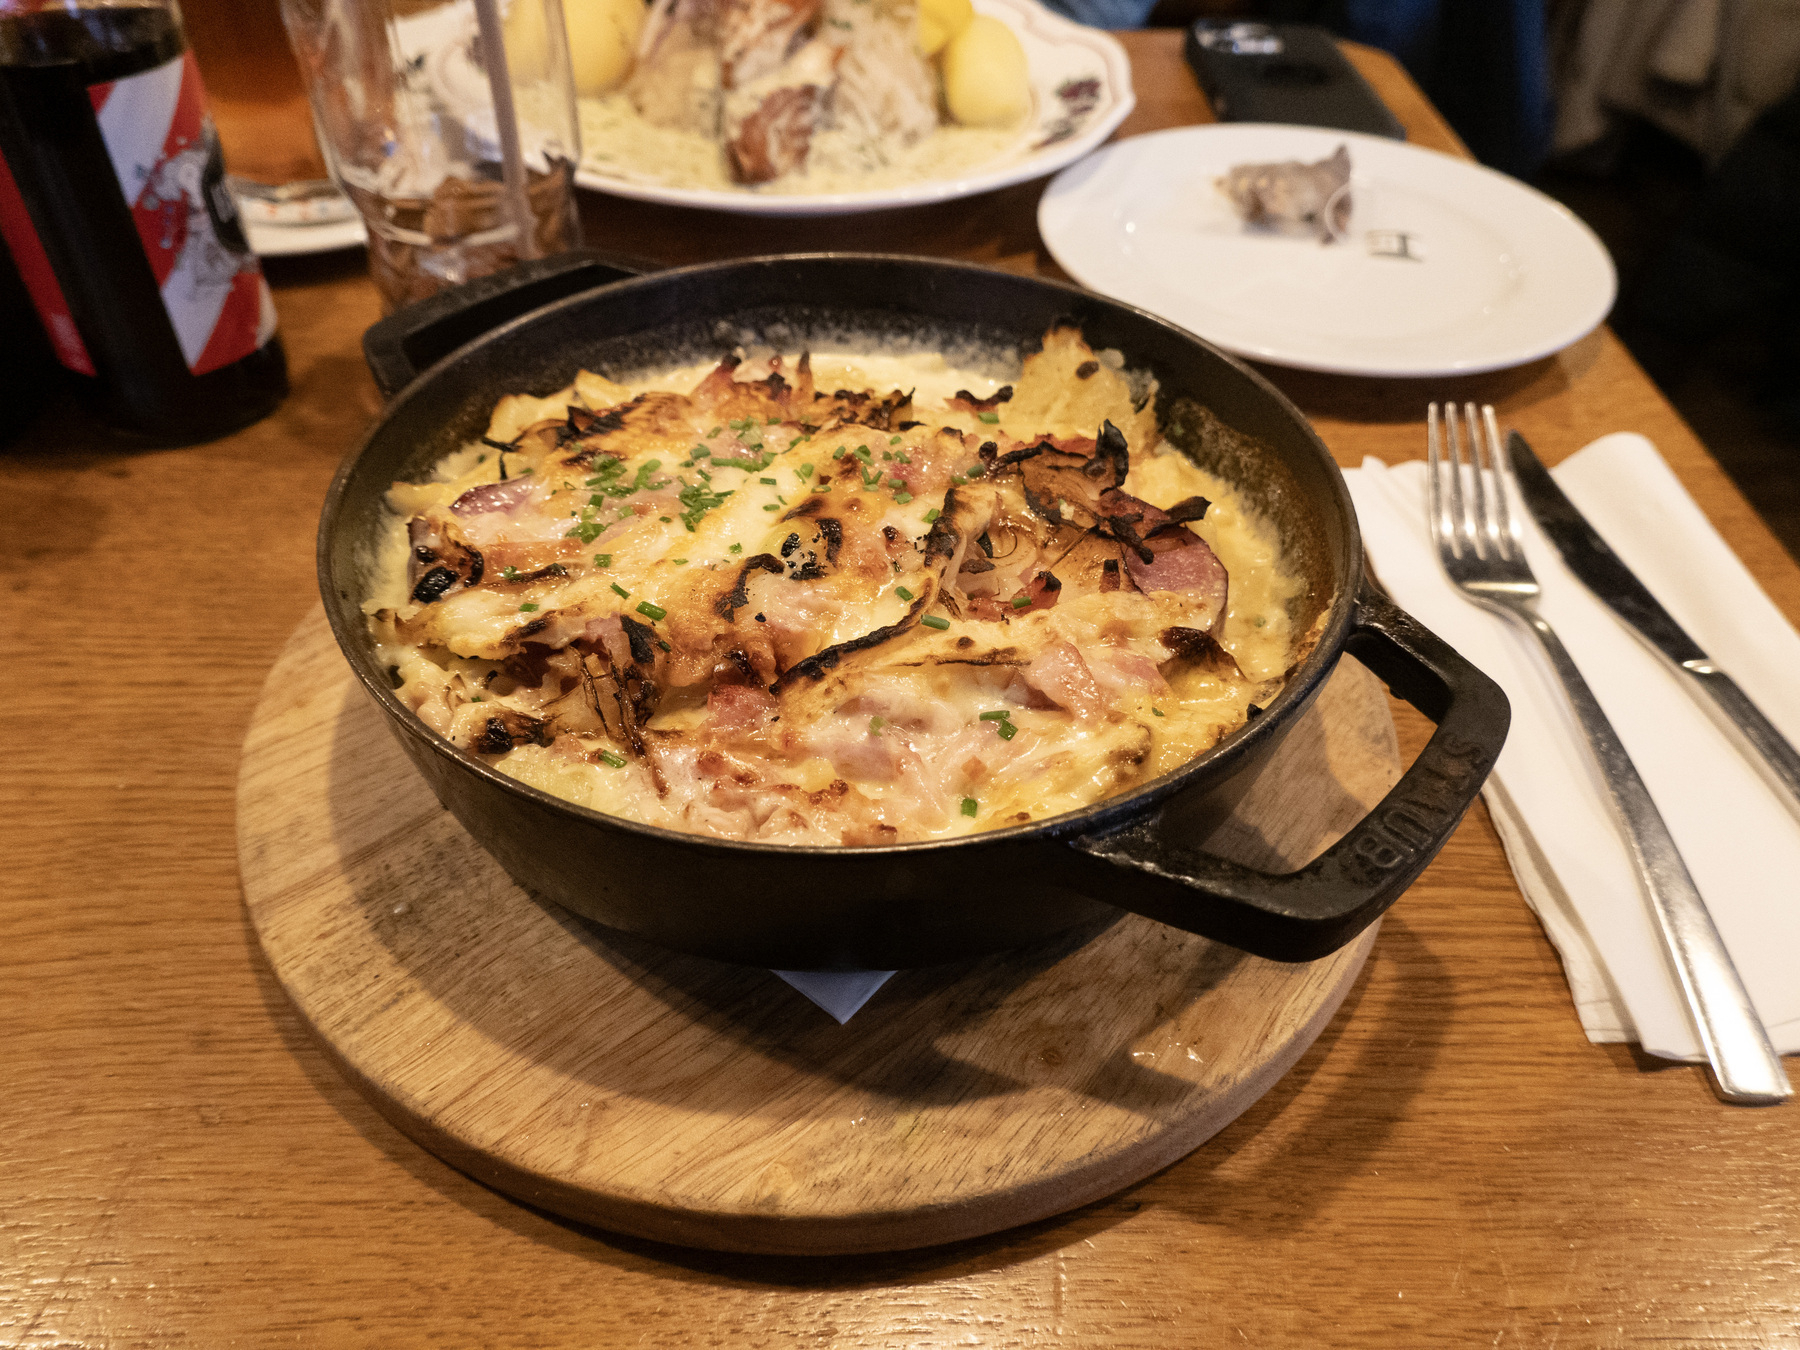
(1294, 73)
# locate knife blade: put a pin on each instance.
(1604, 573)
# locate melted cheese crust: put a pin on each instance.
(849, 600)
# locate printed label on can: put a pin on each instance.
(40, 279)
(166, 156)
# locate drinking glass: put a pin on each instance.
(451, 124)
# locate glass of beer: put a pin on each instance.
(452, 127)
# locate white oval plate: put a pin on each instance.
(1081, 91)
(1496, 274)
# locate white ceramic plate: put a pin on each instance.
(1496, 273)
(1081, 91)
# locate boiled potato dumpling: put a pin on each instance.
(602, 37)
(941, 20)
(986, 83)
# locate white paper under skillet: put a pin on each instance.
(1739, 839)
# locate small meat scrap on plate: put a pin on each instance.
(1293, 195)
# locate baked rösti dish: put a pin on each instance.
(833, 598)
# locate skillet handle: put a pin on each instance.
(424, 332)
(1307, 914)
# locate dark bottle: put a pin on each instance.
(114, 207)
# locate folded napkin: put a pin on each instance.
(1740, 841)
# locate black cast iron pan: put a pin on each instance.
(448, 362)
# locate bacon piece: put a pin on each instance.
(1043, 590)
(1122, 670)
(1061, 676)
(736, 710)
(1179, 561)
(506, 496)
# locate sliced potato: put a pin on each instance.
(986, 82)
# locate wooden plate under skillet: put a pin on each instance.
(709, 1105)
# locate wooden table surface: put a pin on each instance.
(1451, 1164)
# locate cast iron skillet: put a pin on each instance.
(916, 904)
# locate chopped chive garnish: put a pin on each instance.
(838, 453)
(903, 497)
(665, 646)
(1007, 731)
(714, 432)
(586, 532)
(875, 725)
(887, 455)
(900, 457)
(998, 715)
(903, 593)
(1157, 711)
(990, 417)
(772, 506)
(805, 471)
(893, 440)
(621, 590)
(970, 806)
(528, 608)
(862, 453)
(603, 560)
(897, 483)
(933, 621)
(608, 757)
(509, 572)
(769, 481)
(932, 515)
(1021, 602)
(650, 611)
(681, 562)
(699, 452)
(958, 479)
(479, 698)
(737, 548)
(976, 470)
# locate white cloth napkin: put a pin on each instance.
(1740, 841)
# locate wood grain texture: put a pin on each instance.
(1450, 1164)
(710, 1105)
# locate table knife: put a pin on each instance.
(1606, 575)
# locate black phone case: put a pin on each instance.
(1253, 72)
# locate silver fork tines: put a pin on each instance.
(1480, 544)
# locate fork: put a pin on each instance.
(1480, 543)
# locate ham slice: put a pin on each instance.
(1061, 676)
(505, 496)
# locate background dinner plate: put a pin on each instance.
(1495, 273)
(1081, 91)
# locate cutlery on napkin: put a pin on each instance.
(1739, 838)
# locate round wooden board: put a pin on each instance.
(657, 1094)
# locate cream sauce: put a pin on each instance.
(620, 144)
